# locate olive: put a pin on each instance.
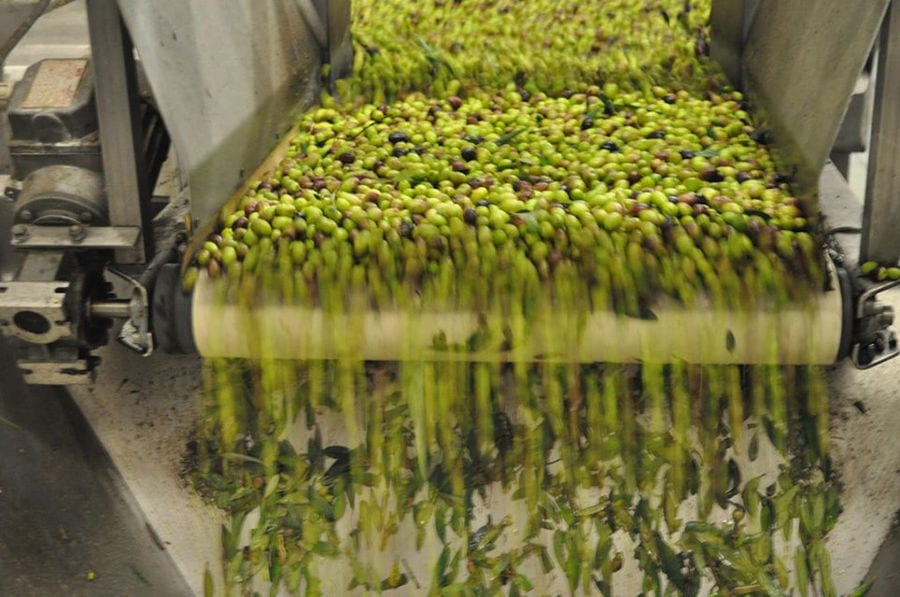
(398, 137)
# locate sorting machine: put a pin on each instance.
(89, 251)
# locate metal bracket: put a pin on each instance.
(135, 333)
(76, 236)
(62, 366)
(34, 311)
(876, 342)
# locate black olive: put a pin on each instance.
(398, 137)
(711, 175)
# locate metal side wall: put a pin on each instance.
(229, 77)
(800, 64)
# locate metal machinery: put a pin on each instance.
(88, 139)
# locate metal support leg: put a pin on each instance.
(881, 215)
(127, 185)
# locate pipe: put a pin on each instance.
(115, 309)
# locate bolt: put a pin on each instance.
(25, 215)
(20, 232)
(77, 232)
(85, 216)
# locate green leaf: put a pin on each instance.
(862, 590)
(546, 561)
(801, 571)
(320, 505)
(523, 583)
(559, 547)
(440, 521)
(508, 137)
(753, 448)
(768, 585)
(209, 588)
(602, 552)
(750, 497)
(670, 562)
(326, 549)
(440, 567)
(271, 485)
(275, 571)
(339, 502)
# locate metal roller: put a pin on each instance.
(807, 333)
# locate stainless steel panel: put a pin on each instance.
(230, 76)
(730, 21)
(340, 48)
(881, 216)
(801, 62)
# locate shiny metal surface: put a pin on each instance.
(229, 77)
(881, 215)
(801, 62)
(117, 309)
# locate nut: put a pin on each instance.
(20, 232)
(77, 232)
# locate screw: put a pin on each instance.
(25, 215)
(77, 232)
(20, 232)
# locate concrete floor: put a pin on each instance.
(65, 514)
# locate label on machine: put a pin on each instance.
(55, 84)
